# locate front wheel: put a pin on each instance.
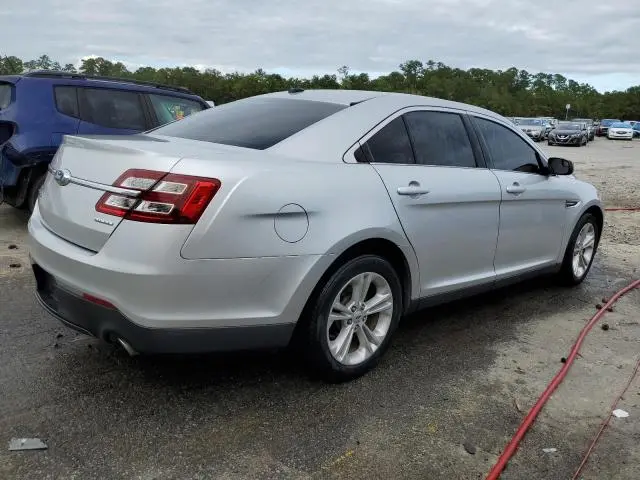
(581, 250)
(353, 318)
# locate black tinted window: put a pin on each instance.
(5, 95)
(508, 151)
(112, 108)
(391, 144)
(252, 123)
(67, 100)
(440, 139)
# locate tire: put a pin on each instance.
(34, 189)
(569, 273)
(549, 143)
(322, 337)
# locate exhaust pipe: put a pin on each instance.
(128, 348)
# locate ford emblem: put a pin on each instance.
(62, 177)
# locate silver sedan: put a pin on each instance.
(313, 218)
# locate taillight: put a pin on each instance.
(164, 198)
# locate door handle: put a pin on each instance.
(516, 188)
(412, 190)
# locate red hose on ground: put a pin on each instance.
(623, 209)
(512, 446)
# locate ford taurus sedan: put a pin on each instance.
(311, 218)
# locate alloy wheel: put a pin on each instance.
(583, 250)
(360, 318)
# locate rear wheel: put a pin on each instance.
(34, 189)
(581, 250)
(353, 318)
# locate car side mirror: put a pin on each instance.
(560, 166)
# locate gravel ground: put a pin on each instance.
(458, 379)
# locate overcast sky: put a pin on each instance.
(594, 41)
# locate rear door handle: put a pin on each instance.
(412, 190)
(516, 188)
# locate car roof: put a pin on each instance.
(365, 109)
(353, 97)
(78, 79)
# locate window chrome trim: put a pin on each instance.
(349, 155)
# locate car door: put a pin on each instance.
(533, 207)
(447, 203)
(105, 111)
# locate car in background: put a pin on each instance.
(569, 133)
(590, 128)
(38, 108)
(533, 127)
(218, 232)
(548, 126)
(620, 131)
(636, 130)
(604, 126)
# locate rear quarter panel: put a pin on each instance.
(331, 206)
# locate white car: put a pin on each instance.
(620, 131)
(317, 216)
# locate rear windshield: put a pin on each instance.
(257, 123)
(5, 95)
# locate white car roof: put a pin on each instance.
(366, 109)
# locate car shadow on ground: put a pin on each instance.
(433, 337)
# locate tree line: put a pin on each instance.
(510, 92)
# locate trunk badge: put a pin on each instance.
(103, 221)
(62, 177)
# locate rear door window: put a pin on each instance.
(257, 123)
(67, 101)
(440, 139)
(112, 108)
(5, 95)
(391, 144)
(169, 109)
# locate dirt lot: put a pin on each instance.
(463, 373)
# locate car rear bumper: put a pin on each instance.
(109, 324)
(164, 303)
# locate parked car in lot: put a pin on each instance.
(605, 123)
(37, 109)
(636, 130)
(620, 131)
(317, 218)
(533, 127)
(591, 130)
(569, 133)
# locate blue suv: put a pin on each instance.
(38, 108)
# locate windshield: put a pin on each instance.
(5, 95)
(530, 121)
(569, 126)
(258, 122)
(621, 125)
(606, 122)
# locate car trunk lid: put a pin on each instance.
(83, 169)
